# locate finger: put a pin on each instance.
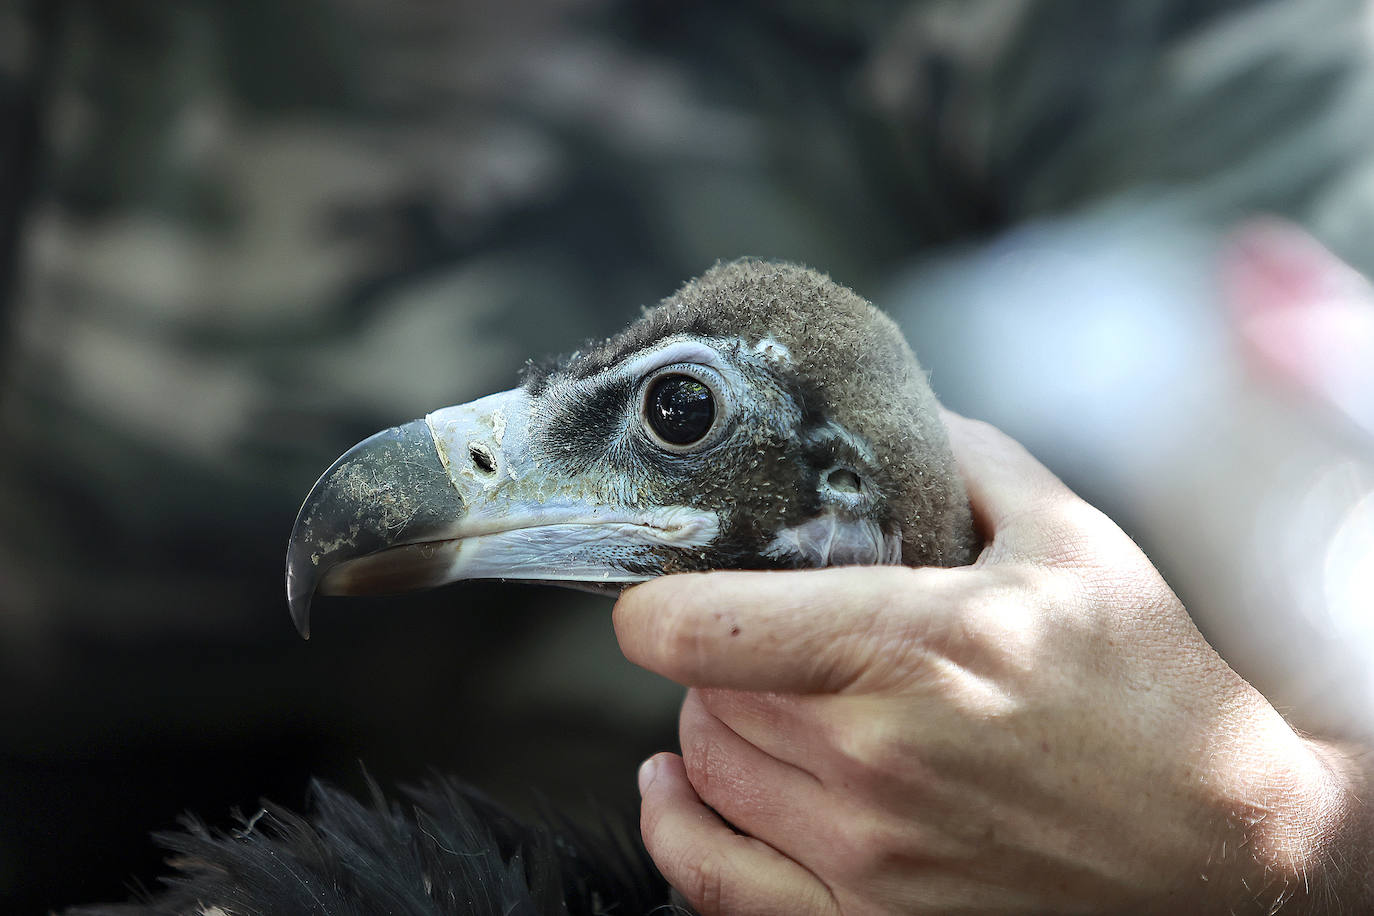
(1002, 478)
(757, 793)
(715, 868)
(783, 725)
(1018, 505)
(810, 631)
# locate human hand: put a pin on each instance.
(1043, 731)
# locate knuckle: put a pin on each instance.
(892, 640)
(711, 770)
(724, 703)
(865, 848)
(870, 748)
(699, 873)
(987, 603)
(720, 782)
(973, 627)
(717, 700)
(700, 758)
(1004, 625)
(1016, 592)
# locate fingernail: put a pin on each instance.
(648, 772)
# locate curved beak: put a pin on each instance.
(386, 492)
(458, 495)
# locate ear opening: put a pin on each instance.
(846, 464)
(845, 490)
(843, 480)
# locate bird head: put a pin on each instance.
(761, 417)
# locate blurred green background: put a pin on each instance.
(237, 237)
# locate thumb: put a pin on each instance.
(1019, 506)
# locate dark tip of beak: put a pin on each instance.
(301, 581)
(389, 490)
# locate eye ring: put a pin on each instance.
(682, 407)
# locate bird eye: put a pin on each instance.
(679, 409)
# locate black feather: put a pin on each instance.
(453, 852)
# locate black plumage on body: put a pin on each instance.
(449, 852)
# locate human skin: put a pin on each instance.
(1044, 731)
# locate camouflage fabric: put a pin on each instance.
(237, 236)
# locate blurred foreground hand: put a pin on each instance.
(1043, 731)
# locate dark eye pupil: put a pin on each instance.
(680, 409)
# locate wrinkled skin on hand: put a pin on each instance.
(1042, 731)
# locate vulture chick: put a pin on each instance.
(762, 417)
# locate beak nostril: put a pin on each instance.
(482, 457)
